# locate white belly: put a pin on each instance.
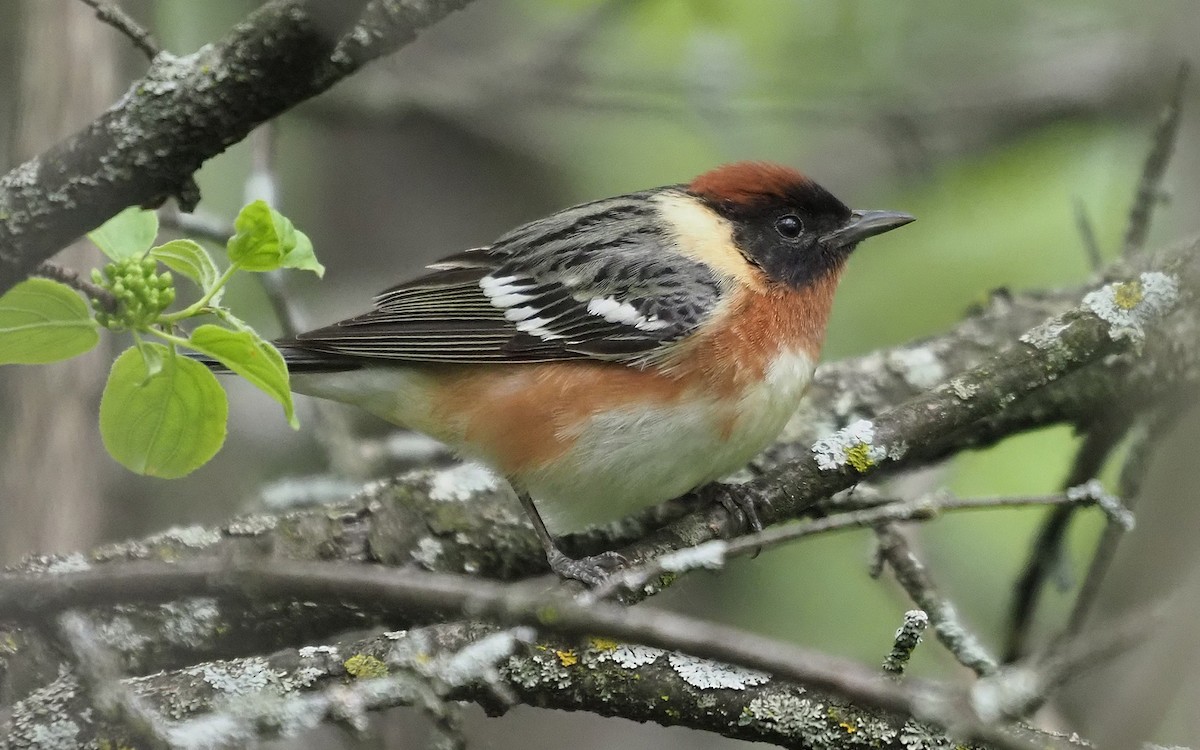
(635, 458)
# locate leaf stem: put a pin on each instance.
(198, 307)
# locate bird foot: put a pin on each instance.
(743, 509)
(591, 570)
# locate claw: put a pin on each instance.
(592, 570)
(743, 510)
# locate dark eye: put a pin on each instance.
(789, 226)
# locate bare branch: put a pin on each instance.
(1087, 234)
(1131, 476)
(1047, 558)
(715, 553)
(947, 625)
(71, 278)
(1149, 190)
(112, 15)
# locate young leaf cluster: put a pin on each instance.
(162, 413)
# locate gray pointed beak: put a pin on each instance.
(864, 224)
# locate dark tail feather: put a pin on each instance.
(298, 360)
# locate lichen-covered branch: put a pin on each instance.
(701, 654)
(186, 110)
(294, 689)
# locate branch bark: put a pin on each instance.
(186, 110)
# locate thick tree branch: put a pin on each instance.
(186, 110)
(553, 612)
(593, 674)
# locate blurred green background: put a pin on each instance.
(988, 121)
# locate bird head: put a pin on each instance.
(788, 226)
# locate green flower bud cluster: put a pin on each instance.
(141, 294)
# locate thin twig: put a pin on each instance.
(1019, 689)
(103, 298)
(715, 553)
(912, 574)
(121, 21)
(1087, 233)
(1132, 473)
(1149, 191)
(1047, 557)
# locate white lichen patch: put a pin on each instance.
(854, 445)
(427, 552)
(240, 677)
(120, 634)
(539, 669)
(306, 676)
(788, 711)
(192, 537)
(72, 563)
(630, 656)
(709, 555)
(1046, 336)
(962, 389)
(1128, 306)
(919, 366)
(254, 525)
(479, 659)
(1111, 504)
(191, 622)
(461, 483)
(312, 652)
(712, 675)
(42, 719)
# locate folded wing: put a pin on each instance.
(598, 281)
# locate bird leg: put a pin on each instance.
(591, 570)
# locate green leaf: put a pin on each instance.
(263, 237)
(267, 241)
(190, 259)
(302, 256)
(43, 321)
(126, 235)
(249, 355)
(163, 425)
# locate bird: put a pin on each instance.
(614, 354)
